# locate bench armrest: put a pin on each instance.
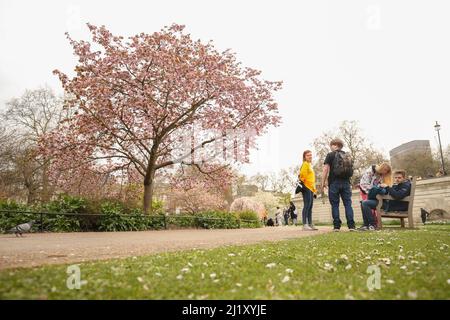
(388, 197)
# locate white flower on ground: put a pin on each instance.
(403, 267)
(390, 281)
(145, 287)
(238, 284)
(271, 265)
(386, 261)
(327, 266)
(185, 270)
(344, 257)
(289, 270)
(285, 279)
(203, 276)
(231, 255)
(158, 274)
(212, 275)
(140, 279)
(448, 281)
(190, 264)
(179, 277)
(216, 280)
(412, 294)
(348, 267)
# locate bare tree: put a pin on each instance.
(361, 149)
(261, 181)
(34, 114)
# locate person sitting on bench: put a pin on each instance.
(400, 190)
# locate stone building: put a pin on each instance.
(413, 148)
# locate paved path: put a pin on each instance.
(56, 248)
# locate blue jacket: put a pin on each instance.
(399, 192)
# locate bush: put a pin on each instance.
(249, 219)
(217, 220)
(112, 219)
(10, 220)
(67, 204)
(182, 220)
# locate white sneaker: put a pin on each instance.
(307, 228)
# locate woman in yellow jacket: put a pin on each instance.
(308, 177)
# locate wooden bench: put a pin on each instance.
(402, 215)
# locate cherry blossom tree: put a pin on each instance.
(149, 102)
(248, 204)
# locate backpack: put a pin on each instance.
(342, 165)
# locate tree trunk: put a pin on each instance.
(148, 191)
(45, 184)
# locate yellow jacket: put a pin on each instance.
(308, 176)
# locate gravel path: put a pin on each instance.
(57, 248)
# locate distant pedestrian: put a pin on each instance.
(286, 216)
(293, 213)
(278, 217)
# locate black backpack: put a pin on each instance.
(342, 165)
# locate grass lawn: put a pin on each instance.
(413, 265)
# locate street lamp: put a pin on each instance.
(437, 127)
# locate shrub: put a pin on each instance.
(249, 219)
(217, 220)
(10, 220)
(112, 219)
(182, 220)
(67, 204)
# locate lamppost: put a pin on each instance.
(437, 127)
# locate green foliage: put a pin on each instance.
(217, 220)
(249, 219)
(67, 204)
(113, 215)
(10, 220)
(182, 221)
(116, 219)
(113, 219)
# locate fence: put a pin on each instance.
(165, 221)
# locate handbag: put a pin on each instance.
(300, 186)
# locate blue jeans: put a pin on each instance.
(367, 206)
(308, 198)
(341, 189)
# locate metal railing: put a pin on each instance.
(164, 217)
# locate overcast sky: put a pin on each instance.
(385, 63)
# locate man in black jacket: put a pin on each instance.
(400, 190)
